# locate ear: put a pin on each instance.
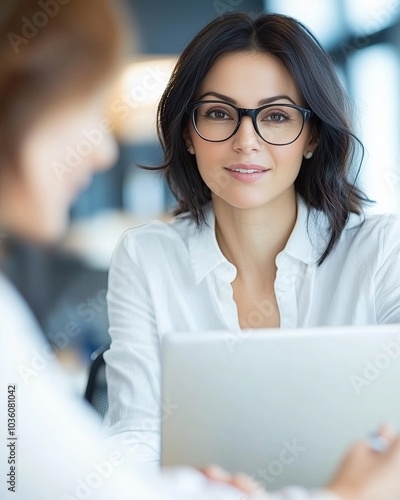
(312, 144)
(188, 141)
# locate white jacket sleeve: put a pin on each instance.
(133, 367)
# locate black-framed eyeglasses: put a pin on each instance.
(277, 124)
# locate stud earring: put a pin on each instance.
(190, 150)
(308, 155)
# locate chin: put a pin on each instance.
(55, 235)
(49, 233)
(248, 202)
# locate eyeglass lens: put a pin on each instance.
(277, 124)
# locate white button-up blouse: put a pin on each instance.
(173, 277)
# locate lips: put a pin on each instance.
(247, 173)
(247, 169)
(244, 170)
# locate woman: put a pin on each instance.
(270, 230)
(55, 73)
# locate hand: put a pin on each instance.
(241, 481)
(365, 474)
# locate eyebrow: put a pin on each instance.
(261, 103)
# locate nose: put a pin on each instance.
(246, 138)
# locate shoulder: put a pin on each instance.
(375, 235)
(386, 229)
(20, 326)
(157, 231)
(374, 225)
(156, 238)
(13, 303)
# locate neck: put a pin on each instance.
(252, 238)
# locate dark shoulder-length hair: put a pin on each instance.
(323, 180)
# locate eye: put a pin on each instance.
(276, 116)
(217, 113)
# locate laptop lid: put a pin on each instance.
(281, 405)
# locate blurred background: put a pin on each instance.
(363, 37)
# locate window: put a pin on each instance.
(374, 75)
(371, 16)
(324, 19)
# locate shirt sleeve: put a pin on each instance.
(133, 367)
(387, 278)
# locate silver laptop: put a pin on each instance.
(281, 405)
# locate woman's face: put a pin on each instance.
(249, 80)
(58, 159)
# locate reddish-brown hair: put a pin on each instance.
(51, 51)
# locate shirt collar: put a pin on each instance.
(306, 243)
(205, 254)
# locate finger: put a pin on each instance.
(381, 441)
(394, 448)
(216, 473)
(246, 484)
(387, 432)
(378, 443)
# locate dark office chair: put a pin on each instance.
(96, 389)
